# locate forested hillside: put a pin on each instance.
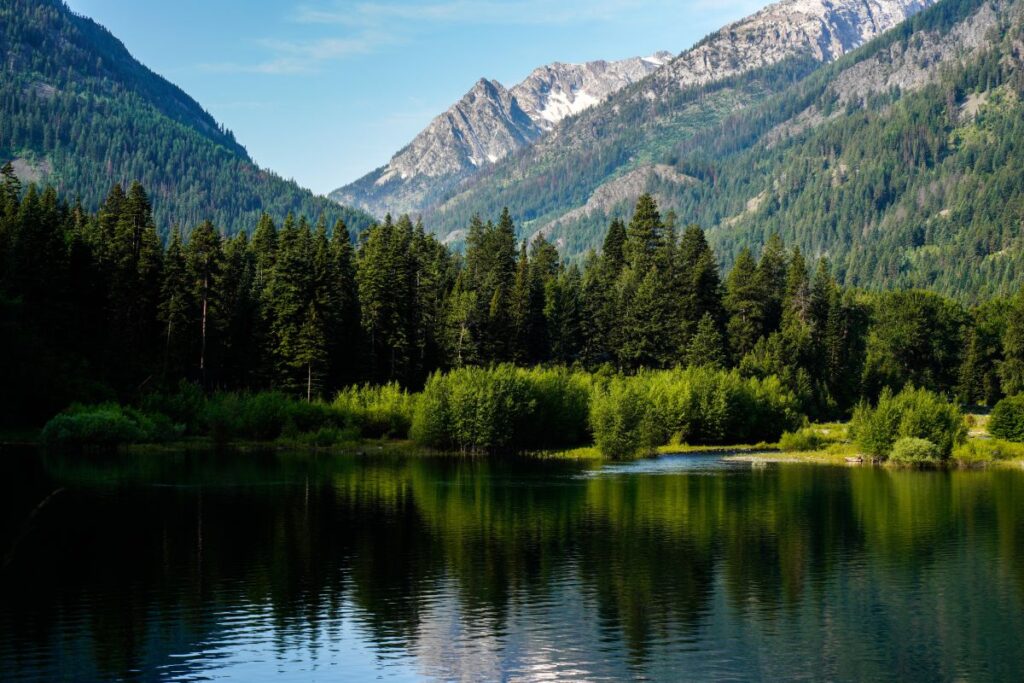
(900, 162)
(902, 166)
(79, 112)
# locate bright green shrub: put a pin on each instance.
(617, 412)
(501, 409)
(700, 405)
(378, 411)
(807, 439)
(910, 450)
(107, 424)
(562, 408)
(916, 413)
(1007, 419)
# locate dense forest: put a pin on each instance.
(93, 307)
(80, 113)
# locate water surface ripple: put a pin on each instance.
(278, 566)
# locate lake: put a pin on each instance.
(290, 566)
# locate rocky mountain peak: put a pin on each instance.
(487, 124)
(822, 29)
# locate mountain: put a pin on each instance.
(79, 112)
(730, 71)
(485, 126)
(901, 163)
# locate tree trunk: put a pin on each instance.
(309, 383)
(202, 346)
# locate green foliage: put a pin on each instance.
(81, 110)
(1007, 419)
(265, 416)
(185, 405)
(502, 409)
(617, 418)
(107, 424)
(634, 415)
(916, 413)
(378, 411)
(980, 451)
(910, 450)
(807, 439)
(330, 436)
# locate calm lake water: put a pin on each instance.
(299, 567)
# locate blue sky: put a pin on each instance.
(324, 91)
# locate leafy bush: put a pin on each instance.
(107, 424)
(502, 409)
(700, 405)
(910, 450)
(330, 436)
(916, 413)
(802, 440)
(617, 413)
(1007, 419)
(265, 416)
(185, 405)
(378, 411)
(813, 438)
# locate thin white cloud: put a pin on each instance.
(504, 12)
(294, 57)
(375, 25)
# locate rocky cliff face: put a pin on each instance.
(823, 29)
(485, 126)
(557, 91)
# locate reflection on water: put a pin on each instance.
(289, 566)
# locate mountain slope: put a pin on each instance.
(486, 125)
(79, 112)
(731, 70)
(902, 164)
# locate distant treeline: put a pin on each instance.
(93, 307)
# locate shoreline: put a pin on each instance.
(835, 454)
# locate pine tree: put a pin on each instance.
(241, 312)
(460, 341)
(563, 312)
(520, 309)
(204, 256)
(700, 287)
(1011, 370)
(771, 280)
(345, 337)
(798, 287)
(613, 254)
(644, 237)
(435, 276)
(646, 337)
(177, 309)
(386, 276)
(310, 351)
(744, 302)
(706, 347)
